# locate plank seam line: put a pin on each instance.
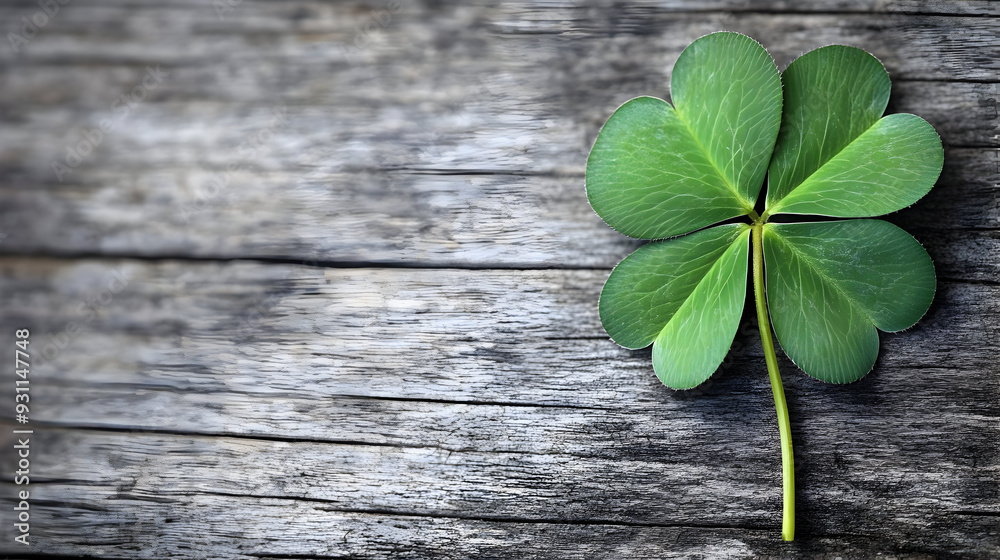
(975, 513)
(75, 556)
(325, 398)
(426, 265)
(571, 173)
(256, 437)
(675, 12)
(287, 556)
(397, 265)
(5, 67)
(946, 230)
(491, 519)
(972, 281)
(304, 440)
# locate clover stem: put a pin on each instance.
(787, 459)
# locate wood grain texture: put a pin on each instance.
(367, 327)
(392, 406)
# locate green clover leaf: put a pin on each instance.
(658, 171)
(685, 296)
(817, 132)
(831, 284)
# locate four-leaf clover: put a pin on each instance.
(817, 134)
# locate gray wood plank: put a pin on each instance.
(201, 383)
(914, 45)
(410, 217)
(495, 335)
(476, 159)
(896, 492)
(212, 525)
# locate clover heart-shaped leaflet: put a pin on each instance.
(658, 171)
(817, 132)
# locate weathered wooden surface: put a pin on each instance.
(379, 338)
